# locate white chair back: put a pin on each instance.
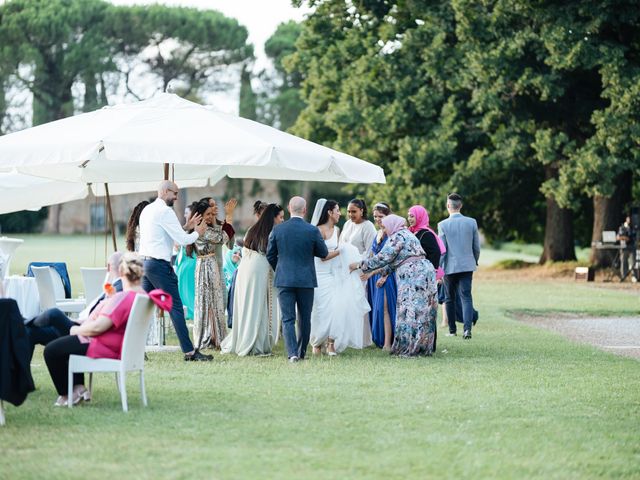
(93, 280)
(46, 288)
(135, 335)
(58, 285)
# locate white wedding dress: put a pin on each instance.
(339, 301)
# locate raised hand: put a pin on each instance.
(230, 206)
(200, 228)
(193, 221)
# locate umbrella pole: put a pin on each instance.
(110, 213)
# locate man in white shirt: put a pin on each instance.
(159, 230)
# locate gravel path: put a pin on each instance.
(619, 335)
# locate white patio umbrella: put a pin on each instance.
(131, 143)
(25, 192)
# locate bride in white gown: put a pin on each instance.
(340, 301)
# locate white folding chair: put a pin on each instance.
(132, 358)
(50, 296)
(93, 280)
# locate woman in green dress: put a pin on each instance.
(186, 273)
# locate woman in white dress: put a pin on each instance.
(359, 232)
(255, 318)
(340, 298)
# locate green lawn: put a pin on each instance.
(514, 402)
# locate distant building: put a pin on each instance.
(90, 215)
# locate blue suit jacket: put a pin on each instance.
(291, 250)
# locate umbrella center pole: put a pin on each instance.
(110, 213)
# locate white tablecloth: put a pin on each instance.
(25, 291)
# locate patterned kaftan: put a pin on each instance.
(209, 325)
(417, 305)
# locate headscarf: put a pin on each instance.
(393, 223)
(422, 223)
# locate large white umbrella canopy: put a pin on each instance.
(131, 142)
(26, 192)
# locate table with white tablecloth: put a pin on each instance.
(25, 292)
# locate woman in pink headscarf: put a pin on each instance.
(433, 246)
(418, 219)
(417, 305)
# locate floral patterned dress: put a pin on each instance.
(415, 331)
(209, 325)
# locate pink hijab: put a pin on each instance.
(393, 223)
(422, 223)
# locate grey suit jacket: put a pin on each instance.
(460, 236)
(291, 251)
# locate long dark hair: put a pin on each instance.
(132, 224)
(258, 235)
(208, 200)
(361, 205)
(197, 207)
(324, 216)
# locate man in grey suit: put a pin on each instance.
(291, 251)
(460, 236)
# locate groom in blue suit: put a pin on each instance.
(291, 251)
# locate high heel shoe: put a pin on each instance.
(332, 352)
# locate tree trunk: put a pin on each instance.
(90, 92)
(608, 214)
(558, 229)
(558, 234)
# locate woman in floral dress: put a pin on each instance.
(415, 330)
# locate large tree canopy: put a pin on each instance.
(49, 45)
(520, 106)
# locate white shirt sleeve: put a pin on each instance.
(172, 226)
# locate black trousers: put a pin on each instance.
(56, 356)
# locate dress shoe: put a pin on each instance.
(294, 359)
(198, 357)
(452, 334)
(476, 316)
(467, 335)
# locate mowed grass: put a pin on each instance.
(514, 402)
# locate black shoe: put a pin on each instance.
(198, 357)
(452, 334)
(476, 316)
(467, 335)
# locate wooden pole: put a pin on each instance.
(166, 171)
(110, 213)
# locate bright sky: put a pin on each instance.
(260, 17)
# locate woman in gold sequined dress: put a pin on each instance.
(209, 324)
(255, 318)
